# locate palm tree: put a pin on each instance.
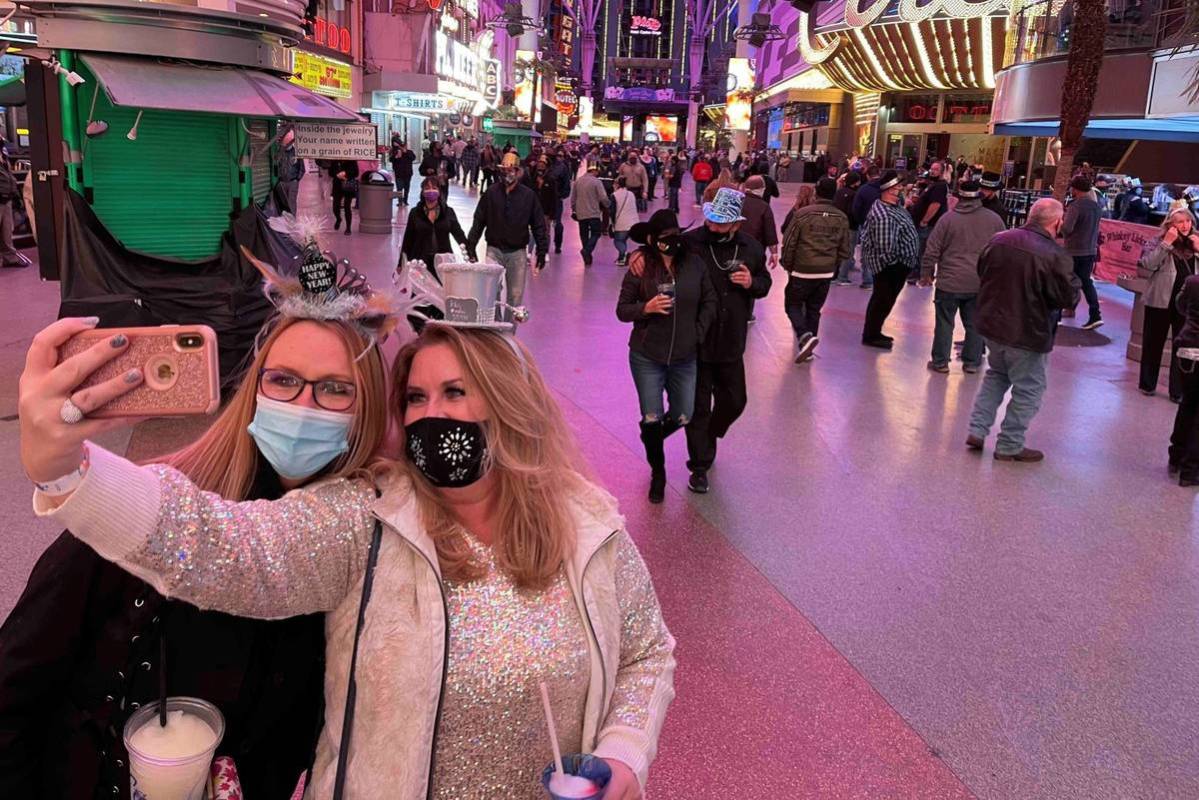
(1082, 79)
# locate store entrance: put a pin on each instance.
(903, 150)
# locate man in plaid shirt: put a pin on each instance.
(890, 250)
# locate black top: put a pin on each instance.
(425, 238)
(402, 163)
(507, 216)
(1187, 304)
(350, 168)
(80, 653)
(844, 201)
(725, 340)
(937, 192)
(669, 338)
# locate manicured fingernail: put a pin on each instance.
(91, 322)
(119, 340)
(133, 376)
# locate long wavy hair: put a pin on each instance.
(530, 450)
(224, 459)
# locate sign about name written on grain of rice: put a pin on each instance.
(354, 142)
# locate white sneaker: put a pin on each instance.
(806, 346)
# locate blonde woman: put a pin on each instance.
(82, 644)
(497, 566)
(1166, 263)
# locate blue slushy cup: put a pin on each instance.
(586, 777)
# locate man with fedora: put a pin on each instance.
(890, 250)
(952, 256)
(816, 244)
(508, 211)
(991, 185)
(737, 266)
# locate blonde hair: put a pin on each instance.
(805, 196)
(225, 459)
(723, 181)
(1176, 213)
(534, 458)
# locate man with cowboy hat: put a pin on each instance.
(991, 186)
(952, 255)
(508, 211)
(737, 266)
(589, 207)
(890, 250)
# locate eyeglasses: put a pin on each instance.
(281, 385)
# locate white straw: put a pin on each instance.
(549, 723)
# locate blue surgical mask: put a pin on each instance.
(299, 441)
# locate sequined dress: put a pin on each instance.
(503, 641)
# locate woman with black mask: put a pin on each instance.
(430, 226)
(1165, 263)
(668, 296)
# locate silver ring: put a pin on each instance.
(70, 413)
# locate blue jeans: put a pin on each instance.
(652, 378)
(672, 198)
(621, 240)
(1022, 371)
(848, 264)
(589, 234)
(516, 269)
(699, 191)
(1083, 267)
(948, 305)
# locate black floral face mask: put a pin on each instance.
(449, 452)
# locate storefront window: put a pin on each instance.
(806, 115)
(967, 108)
(916, 108)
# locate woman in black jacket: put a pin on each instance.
(80, 651)
(345, 189)
(668, 296)
(1184, 442)
(430, 226)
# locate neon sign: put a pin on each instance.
(912, 11)
(645, 26)
(327, 33)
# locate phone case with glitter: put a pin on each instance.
(179, 363)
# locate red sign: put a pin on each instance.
(327, 33)
(649, 26)
(1120, 245)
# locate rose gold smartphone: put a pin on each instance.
(179, 363)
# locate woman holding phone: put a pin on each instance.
(1165, 263)
(668, 296)
(489, 565)
(82, 646)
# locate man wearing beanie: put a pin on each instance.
(817, 242)
(952, 256)
(991, 185)
(890, 250)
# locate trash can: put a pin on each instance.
(376, 202)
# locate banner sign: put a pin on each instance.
(739, 97)
(321, 75)
(356, 142)
(1120, 245)
(492, 90)
(639, 94)
(419, 101)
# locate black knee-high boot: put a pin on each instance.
(652, 437)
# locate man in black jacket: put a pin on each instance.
(863, 201)
(992, 191)
(508, 211)
(737, 266)
(1026, 280)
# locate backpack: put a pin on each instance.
(702, 172)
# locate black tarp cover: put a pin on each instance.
(125, 288)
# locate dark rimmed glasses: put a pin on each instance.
(281, 385)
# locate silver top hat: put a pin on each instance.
(474, 296)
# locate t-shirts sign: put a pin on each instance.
(321, 140)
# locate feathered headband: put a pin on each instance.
(323, 288)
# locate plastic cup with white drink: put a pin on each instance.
(172, 762)
(562, 785)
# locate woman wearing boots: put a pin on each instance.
(671, 302)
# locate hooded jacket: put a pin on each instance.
(1025, 278)
(955, 244)
(817, 240)
(308, 552)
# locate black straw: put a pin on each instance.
(162, 680)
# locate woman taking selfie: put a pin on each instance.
(668, 296)
(496, 566)
(431, 223)
(82, 646)
(1165, 263)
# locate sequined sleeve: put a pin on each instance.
(645, 680)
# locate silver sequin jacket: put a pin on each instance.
(306, 553)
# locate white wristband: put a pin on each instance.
(67, 483)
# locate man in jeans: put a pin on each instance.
(588, 206)
(952, 254)
(636, 179)
(817, 242)
(1080, 233)
(507, 211)
(1026, 280)
(890, 250)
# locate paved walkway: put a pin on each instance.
(864, 609)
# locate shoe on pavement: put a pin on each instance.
(935, 367)
(557, 251)
(806, 345)
(1173, 469)
(970, 369)
(866, 286)
(347, 229)
(1027, 455)
(698, 482)
(845, 283)
(1186, 482)
(879, 342)
(1093, 324)
(657, 486)
(1146, 392)
(975, 442)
